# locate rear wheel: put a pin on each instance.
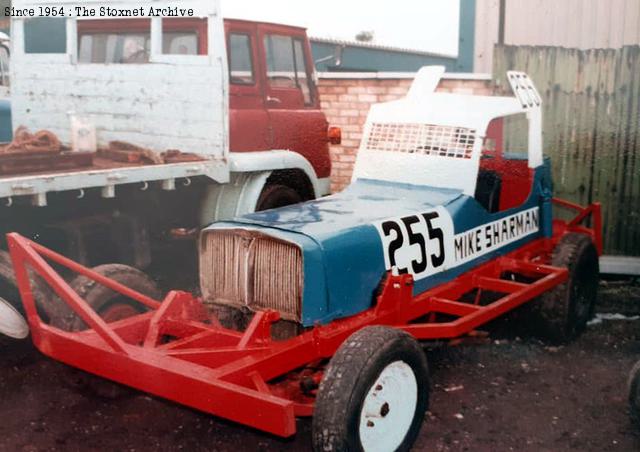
(562, 313)
(373, 395)
(277, 195)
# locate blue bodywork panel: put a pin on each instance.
(346, 252)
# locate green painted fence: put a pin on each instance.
(591, 128)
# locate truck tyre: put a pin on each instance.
(634, 394)
(8, 285)
(110, 305)
(562, 314)
(52, 311)
(277, 195)
(373, 395)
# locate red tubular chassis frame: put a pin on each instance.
(177, 350)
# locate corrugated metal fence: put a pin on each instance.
(591, 128)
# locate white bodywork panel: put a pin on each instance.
(172, 102)
(435, 139)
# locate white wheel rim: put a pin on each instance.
(388, 409)
(12, 324)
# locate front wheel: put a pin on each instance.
(373, 395)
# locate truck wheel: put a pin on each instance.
(277, 195)
(8, 285)
(110, 305)
(373, 395)
(12, 323)
(51, 310)
(562, 313)
(634, 394)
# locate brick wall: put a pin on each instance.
(346, 100)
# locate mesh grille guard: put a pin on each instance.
(425, 139)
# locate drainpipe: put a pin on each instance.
(501, 21)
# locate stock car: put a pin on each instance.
(316, 309)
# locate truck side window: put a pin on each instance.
(302, 74)
(132, 47)
(122, 48)
(4, 66)
(286, 67)
(240, 60)
(180, 43)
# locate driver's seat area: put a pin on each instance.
(488, 190)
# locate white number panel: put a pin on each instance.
(420, 244)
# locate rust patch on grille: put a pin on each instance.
(247, 268)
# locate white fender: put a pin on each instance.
(243, 162)
(237, 197)
(249, 174)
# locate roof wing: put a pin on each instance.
(426, 82)
(434, 138)
(524, 90)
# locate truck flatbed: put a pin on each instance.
(102, 175)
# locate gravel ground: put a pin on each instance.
(501, 395)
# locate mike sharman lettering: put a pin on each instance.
(485, 238)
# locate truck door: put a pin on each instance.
(248, 119)
(297, 123)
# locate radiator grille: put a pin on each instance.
(243, 268)
(425, 139)
(223, 270)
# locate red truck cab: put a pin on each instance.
(273, 97)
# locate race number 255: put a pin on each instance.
(417, 244)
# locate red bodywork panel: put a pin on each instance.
(261, 117)
(515, 175)
(180, 351)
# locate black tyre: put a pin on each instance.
(277, 195)
(8, 284)
(634, 394)
(374, 393)
(562, 313)
(111, 305)
(51, 309)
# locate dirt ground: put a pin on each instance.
(506, 394)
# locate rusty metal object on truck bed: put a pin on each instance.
(15, 164)
(42, 151)
(175, 156)
(121, 151)
(25, 142)
(120, 156)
